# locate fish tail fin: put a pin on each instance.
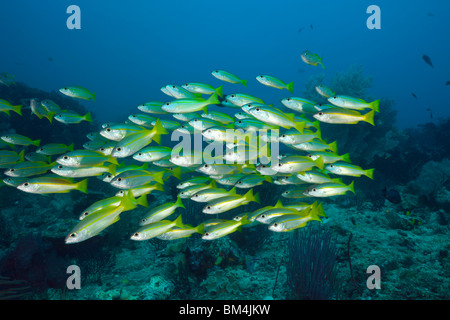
(279, 204)
(88, 117)
(315, 213)
(351, 187)
(82, 186)
(50, 116)
(113, 160)
(128, 202)
(7, 112)
(369, 173)
(290, 87)
(158, 130)
(369, 117)
(36, 142)
(333, 146)
(17, 109)
(213, 99)
(159, 187)
(200, 228)
(233, 190)
(22, 155)
(244, 82)
(179, 222)
(375, 105)
(346, 157)
(179, 203)
(320, 211)
(319, 163)
(268, 179)
(142, 201)
(300, 126)
(70, 147)
(158, 177)
(111, 169)
(177, 173)
(219, 91)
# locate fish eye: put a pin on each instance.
(173, 86)
(240, 182)
(119, 179)
(25, 184)
(41, 149)
(283, 135)
(331, 166)
(133, 116)
(232, 95)
(136, 234)
(320, 113)
(288, 99)
(73, 235)
(110, 176)
(65, 157)
(102, 149)
(196, 195)
(140, 154)
(143, 220)
(257, 109)
(275, 224)
(314, 189)
(261, 76)
(216, 71)
(263, 216)
(206, 234)
(167, 103)
(206, 166)
(108, 129)
(334, 97)
(85, 214)
(279, 164)
(60, 167)
(208, 207)
(263, 166)
(119, 149)
(239, 121)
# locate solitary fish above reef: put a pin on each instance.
(312, 58)
(78, 92)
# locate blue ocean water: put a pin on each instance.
(125, 52)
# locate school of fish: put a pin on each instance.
(246, 144)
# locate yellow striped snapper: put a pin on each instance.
(348, 169)
(324, 91)
(230, 202)
(202, 88)
(78, 92)
(160, 212)
(28, 168)
(155, 229)
(42, 185)
(311, 58)
(95, 223)
(134, 142)
(275, 83)
(224, 228)
(344, 116)
(354, 103)
(52, 149)
(228, 77)
(329, 189)
(184, 232)
(21, 140)
(209, 194)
